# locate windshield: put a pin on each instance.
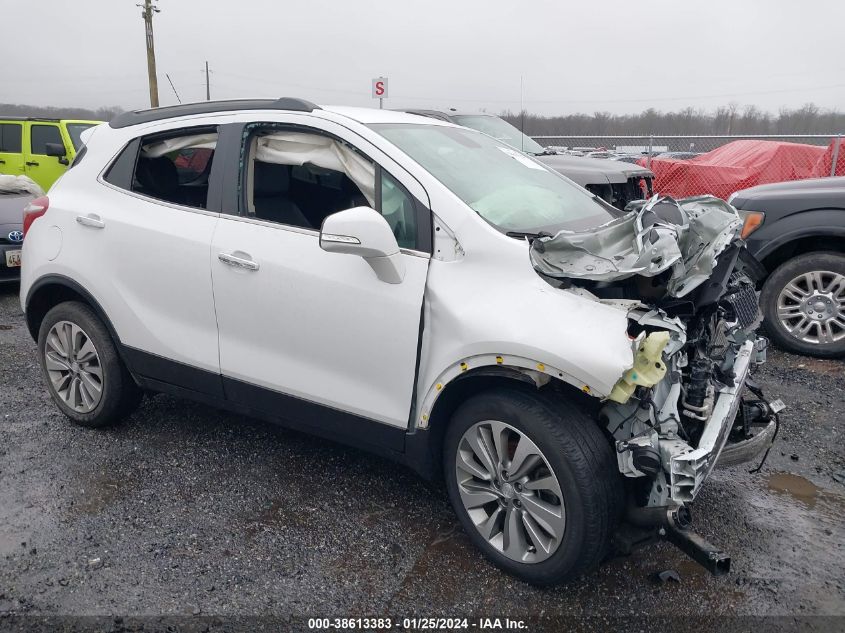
(505, 187)
(501, 130)
(74, 130)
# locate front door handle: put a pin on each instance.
(91, 220)
(239, 262)
(31, 163)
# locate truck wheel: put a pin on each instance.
(535, 486)
(83, 372)
(803, 304)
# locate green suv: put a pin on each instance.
(39, 148)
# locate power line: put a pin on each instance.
(174, 87)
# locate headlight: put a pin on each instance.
(751, 221)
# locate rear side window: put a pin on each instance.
(10, 138)
(40, 135)
(173, 167)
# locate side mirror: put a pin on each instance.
(364, 232)
(58, 150)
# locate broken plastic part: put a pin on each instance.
(648, 369)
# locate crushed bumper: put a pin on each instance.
(689, 470)
(747, 450)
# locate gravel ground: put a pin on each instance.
(187, 511)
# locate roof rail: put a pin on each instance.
(30, 118)
(206, 107)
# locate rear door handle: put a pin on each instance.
(91, 220)
(238, 262)
(31, 163)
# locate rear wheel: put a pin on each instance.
(82, 369)
(534, 486)
(804, 304)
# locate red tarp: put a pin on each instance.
(742, 164)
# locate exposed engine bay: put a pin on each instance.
(682, 273)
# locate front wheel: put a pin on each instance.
(803, 302)
(535, 487)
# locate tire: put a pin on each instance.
(819, 291)
(575, 453)
(72, 379)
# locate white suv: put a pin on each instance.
(413, 288)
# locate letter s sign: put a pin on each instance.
(380, 88)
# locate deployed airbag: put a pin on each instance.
(297, 148)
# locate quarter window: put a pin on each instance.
(40, 135)
(399, 210)
(10, 138)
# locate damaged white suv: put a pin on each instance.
(413, 288)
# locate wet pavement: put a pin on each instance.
(186, 511)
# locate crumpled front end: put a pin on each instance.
(683, 275)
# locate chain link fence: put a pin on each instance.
(679, 172)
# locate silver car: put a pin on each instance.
(15, 193)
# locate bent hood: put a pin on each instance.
(686, 236)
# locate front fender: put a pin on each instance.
(817, 223)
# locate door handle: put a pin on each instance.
(91, 220)
(238, 262)
(31, 163)
(2, 161)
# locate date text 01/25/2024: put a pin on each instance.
(416, 624)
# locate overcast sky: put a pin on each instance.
(572, 56)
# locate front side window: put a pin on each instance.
(40, 135)
(298, 178)
(510, 190)
(174, 167)
(10, 138)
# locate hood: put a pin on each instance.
(822, 187)
(685, 236)
(591, 171)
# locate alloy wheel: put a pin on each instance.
(73, 366)
(811, 307)
(509, 491)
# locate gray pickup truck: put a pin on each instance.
(615, 182)
(15, 194)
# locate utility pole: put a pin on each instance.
(147, 13)
(207, 84)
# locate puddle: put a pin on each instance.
(795, 486)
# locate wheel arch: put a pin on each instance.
(445, 396)
(51, 290)
(801, 244)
